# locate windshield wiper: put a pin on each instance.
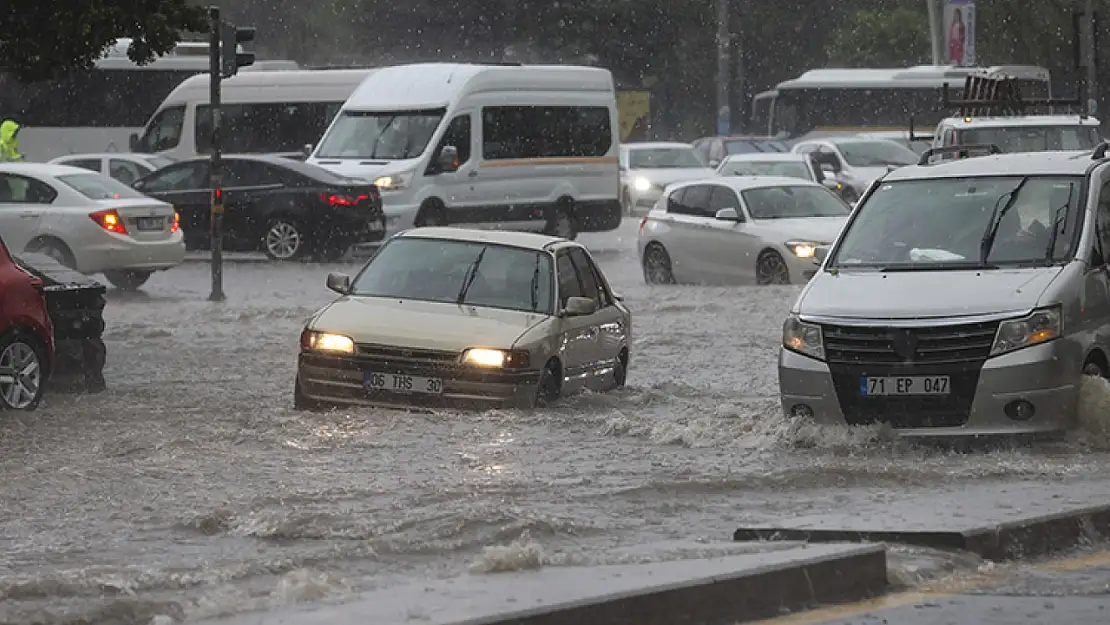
(937, 266)
(1058, 217)
(378, 139)
(468, 277)
(997, 214)
(536, 285)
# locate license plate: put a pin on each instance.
(397, 383)
(149, 223)
(904, 385)
(375, 226)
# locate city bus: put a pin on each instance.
(824, 102)
(96, 111)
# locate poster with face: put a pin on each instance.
(959, 32)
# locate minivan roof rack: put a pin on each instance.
(960, 151)
(997, 95)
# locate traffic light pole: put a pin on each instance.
(216, 166)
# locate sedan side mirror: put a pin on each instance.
(340, 283)
(448, 160)
(307, 149)
(714, 163)
(580, 307)
(134, 142)
(820, 253)
(728, 214)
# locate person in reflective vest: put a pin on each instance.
(9, 142)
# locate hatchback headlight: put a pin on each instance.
(803, 338)
(802, 249)
(1040, 326)
(495, 358)
(327, 342)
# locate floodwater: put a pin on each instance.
(191, 488)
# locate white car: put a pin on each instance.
(647, 168)
(127, 167)
(739, 230)
(789, 164)
(88, 222)
(855, 161)
(449, 316)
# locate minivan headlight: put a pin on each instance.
(803, 338)
(1040, 326)
(393, 182)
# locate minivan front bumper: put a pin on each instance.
(1047, 376)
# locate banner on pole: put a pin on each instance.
(959, 32)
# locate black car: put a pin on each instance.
(285, 208)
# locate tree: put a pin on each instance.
(41, 39)
(894, 38)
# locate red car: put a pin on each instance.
(26, 336)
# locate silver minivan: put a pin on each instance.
(967, 297)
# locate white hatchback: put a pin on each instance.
(739, 230)
(88, 222)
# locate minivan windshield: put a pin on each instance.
(460, 272)
(952, 223)
(387, 136)
(1033, 138)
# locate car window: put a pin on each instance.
(97, 187)
(793, 203)
(1035, 138)
(1102, 222)
(478, 274)
(674, 202)
(91, 164)
(696, 200)
(569, 286)
(458, 135)
(722, 198)
(126, 172)
(25, 190)
(590, 278)
(244, 173)
(191, 176)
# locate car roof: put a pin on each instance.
(42, 169)
(527, 240)
(264, 158)
(1020, 121)
(123, 155)
(745, 183)
(1074, 163)
(655, 145)
(766, 156)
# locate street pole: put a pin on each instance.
(936, 27)
(1090, 28)
(216, 180)
(724, 41)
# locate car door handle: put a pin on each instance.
(473, 174)
(27, 215)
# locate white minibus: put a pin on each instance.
(507, 146)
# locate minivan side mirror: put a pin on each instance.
(340, 283)
(134, 142)
(728, 214)
(580, 306)
(448, 159)
(820, 253)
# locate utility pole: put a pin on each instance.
(216, 166)
(724, 42)
(936, 30)
(1090, 29)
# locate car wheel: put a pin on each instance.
(54, 249)
(22, 374)
(284, 239)
(657, 265)
(562, 223)
(432, 216)
(548, 386)
(771, 269)
(128, 280)
(620, 370)
(1094, 369)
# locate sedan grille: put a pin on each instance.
(948, 344)
(406, 355)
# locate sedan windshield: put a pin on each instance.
(793, 203)
(462, 272)
(663, 158)
(97, 187)
(1034, 139)
(961, 222)
(391, 136)
(877, 153)
(788, 169)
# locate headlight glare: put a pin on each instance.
(802, 249)
(327, 342)
(1040, 326)
(642, 184)
(391, 182)
(495, 358)
(803, 338)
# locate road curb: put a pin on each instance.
(1020, 537)
(728, 590)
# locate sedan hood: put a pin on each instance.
(812, 229)
(664, 177)
(423, 325)
(925, 294)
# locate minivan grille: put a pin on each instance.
(878, 345)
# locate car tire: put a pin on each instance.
(770, 269)
(620, 370)
(433, 215)
(562, 222)
(128, 280)
(54, 249)
(1094, 368)
(548, 387)
(657, 265)
(21, 389)
(284, 239)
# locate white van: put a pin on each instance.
(262, 112)
(518, 147)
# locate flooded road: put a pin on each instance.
(191, 488)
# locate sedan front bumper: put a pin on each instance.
(342, 380)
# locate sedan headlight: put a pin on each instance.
(392, 182)
(802, 249)
(641, 184)
(804, 338)
(1040, 326)
(327, 342)
(495, 358)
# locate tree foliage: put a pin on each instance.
(40, 39)
(876, 38)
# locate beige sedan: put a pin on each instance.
(448, 317)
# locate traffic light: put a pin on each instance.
(230, 57)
